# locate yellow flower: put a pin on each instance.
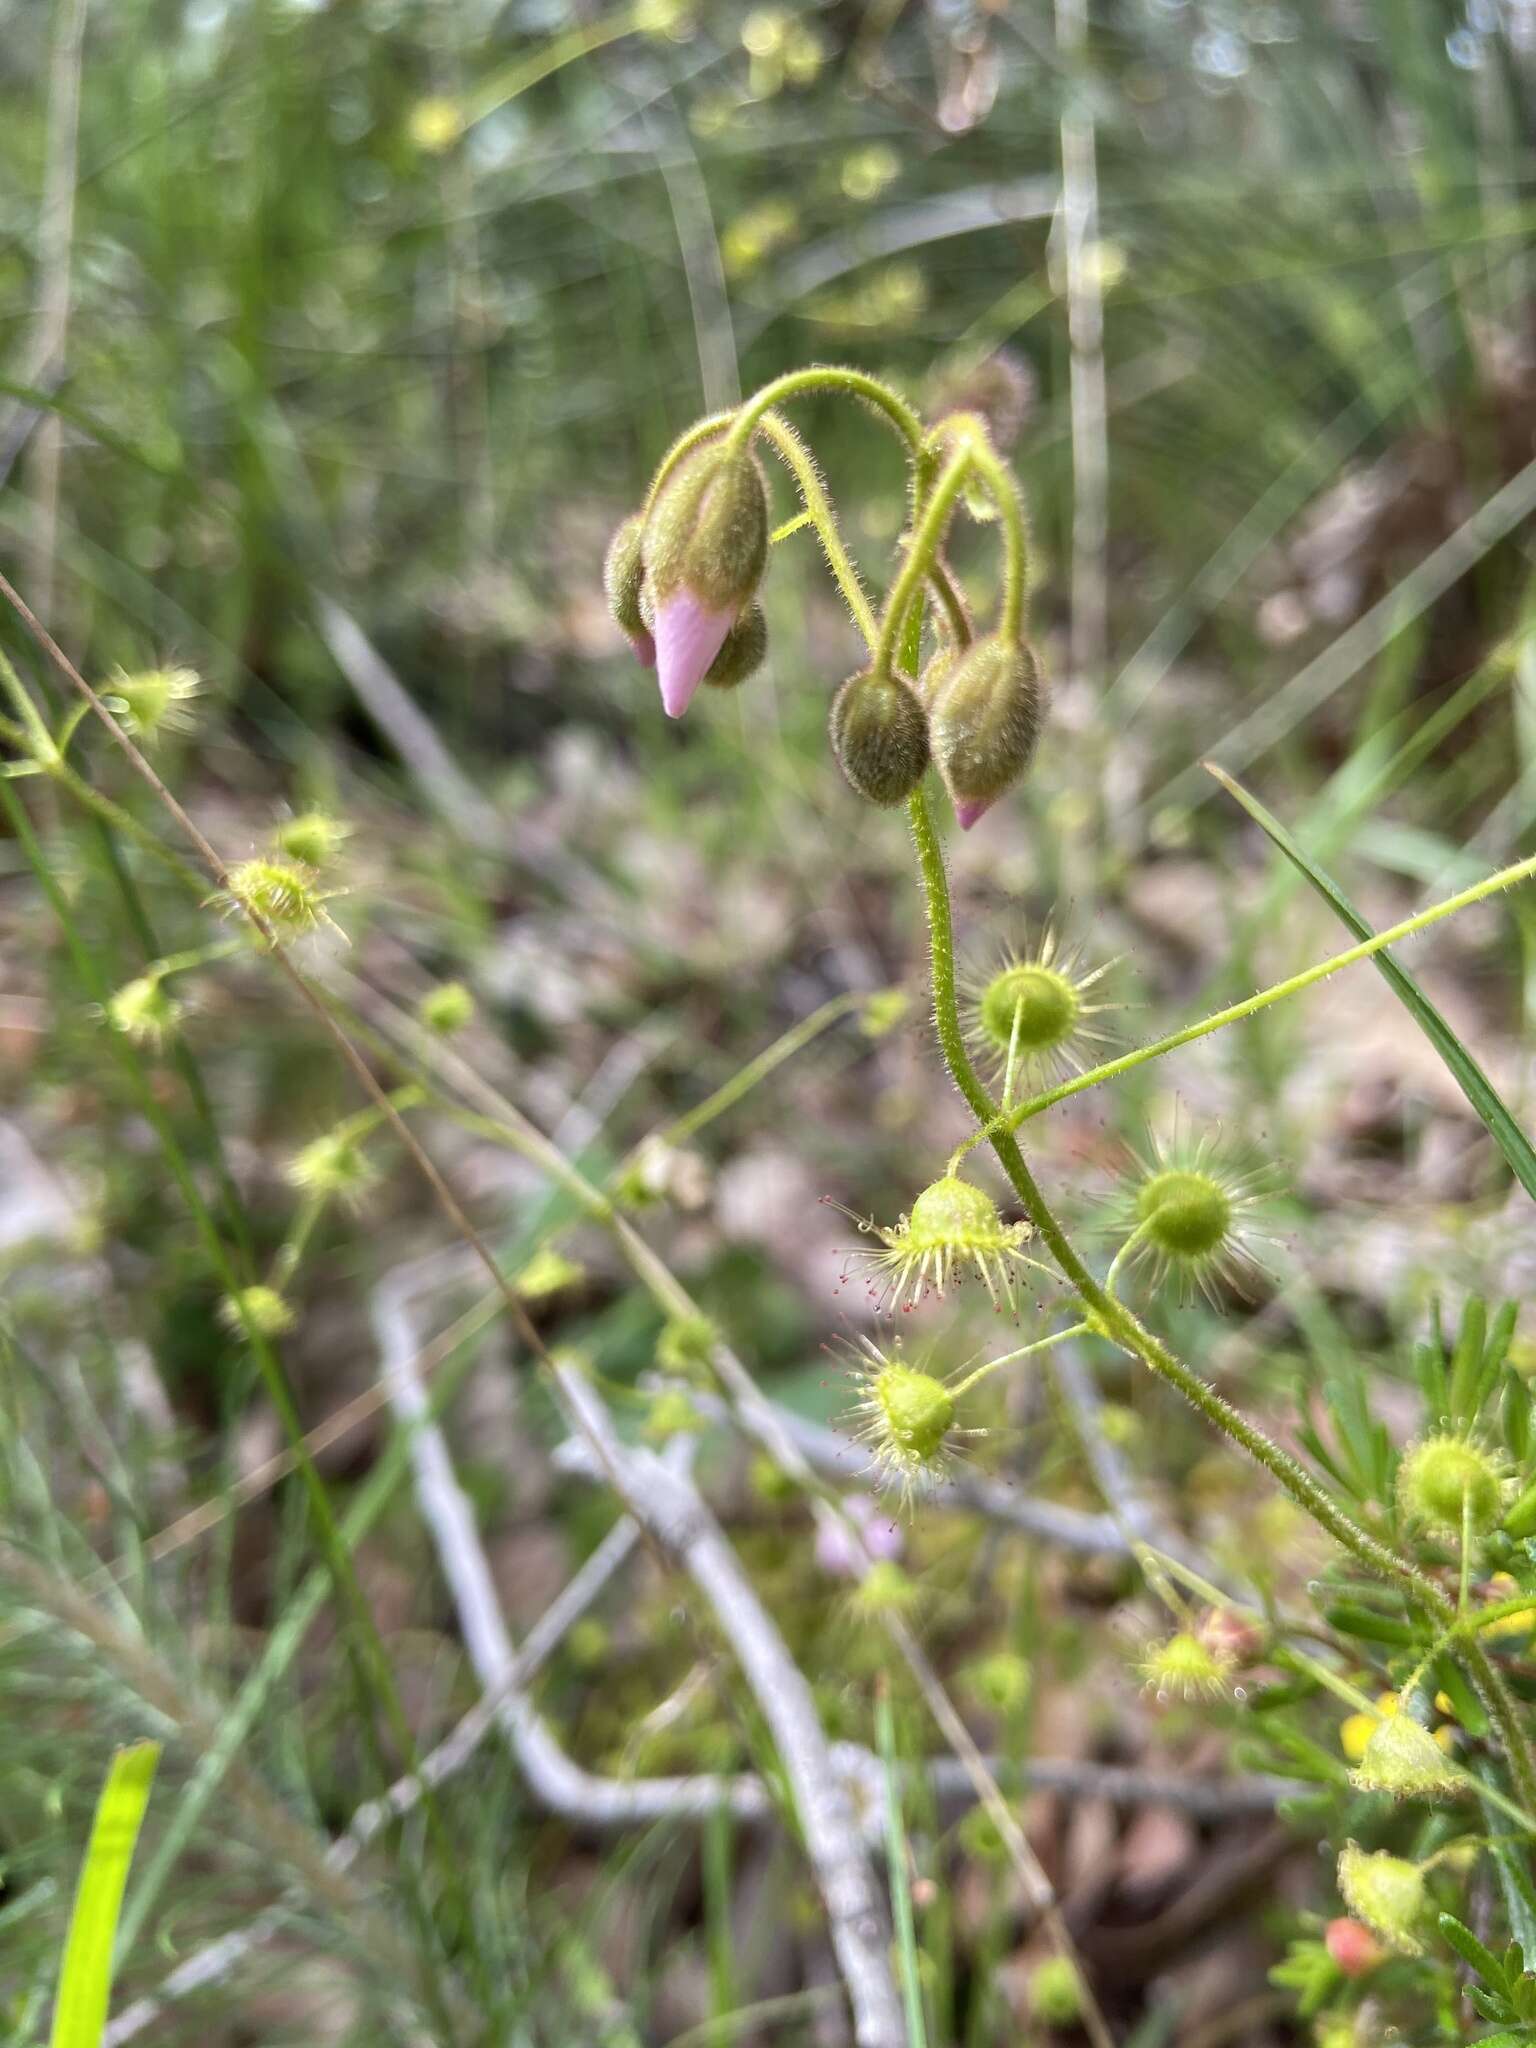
(1510, 1627)
(435, 125)
(1354, 1734)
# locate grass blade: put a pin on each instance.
(85, 1980)
(901, 1890)
(1469, 1076)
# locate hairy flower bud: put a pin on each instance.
(446, 1009)
(880, 737)
(279, 894)
(703, 550)
(623, 576)
(256, 1308)
(1188, 1666)
(144, 1010)
(153, 701)
(313, 838)
(1403, 1758)
(985, 712)
(741, 652)
(1055, 1992)
(1000, 1682)
(1386, 1892)
(1445, 1478)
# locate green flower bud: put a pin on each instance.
(918, 1411)
(624, 573)
(144, 1010)
(154, 701)
(1000, 1682)
(708, 530)
(257, 1308)
(742, 651)
(313, 838)
(1186, 1665)
(1387, 1893)
(985, 711)
(446, 1009)
(1185, 1214)
(1403, 1758)
(1446, 1476)
(281, 894)
(623, 580)
(1055, 1992)
(880, 737)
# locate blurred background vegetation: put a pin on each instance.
(336, 339)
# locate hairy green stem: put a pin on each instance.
(798, 460)
(826, 377)
(1116, 1322)
(922, 552)
(1125, 1063)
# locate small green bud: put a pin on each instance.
(1184, 1214)
(919, 1411)
(257, 1308)
(153, 701)
(955, 1212)
(1032, 1006)
(446, 1009)
(741, 652)
(313, 838)
(1403, 1758)
(880, 737)
(1000, 1682)
(981, 1838)
(953, 1226)
(1055, 1992)
(1187, 1665)
(623, 578)
(281, 894)
(985, 713)
(708, 531)
(1387, 1893)
(144, 1010)
(334, 1166)
(1443, 1478)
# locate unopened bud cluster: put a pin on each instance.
(682, 579)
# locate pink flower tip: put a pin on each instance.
(967, 814)
(688, 637)
(645, 649)
(1354, 1949)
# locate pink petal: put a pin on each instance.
(688, 637)
(645, 649)
(967, 814)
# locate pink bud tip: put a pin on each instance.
(688, 637)
(1354, 1949)
(645, 649)
(967, 814)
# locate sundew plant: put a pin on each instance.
(766, 958)
(1423, 1536)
